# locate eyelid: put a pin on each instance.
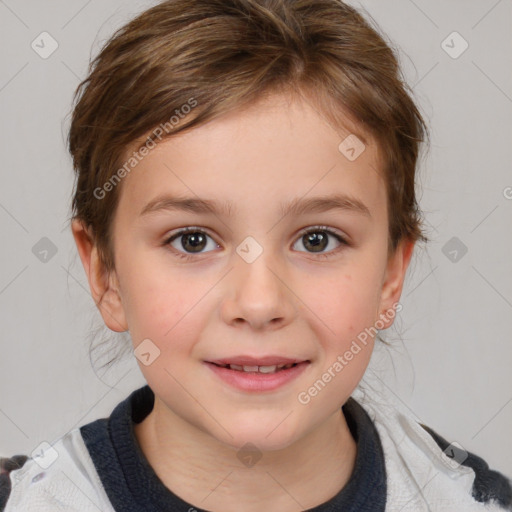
(329, 229)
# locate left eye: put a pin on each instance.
(316, 240)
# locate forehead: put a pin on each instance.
(277, 149)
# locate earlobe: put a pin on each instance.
(103, 284)
(394, 279)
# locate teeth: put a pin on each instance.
(259, 369)
(250, 368)
(266, 369)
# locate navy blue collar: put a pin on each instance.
(133, 486)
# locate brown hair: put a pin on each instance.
(218, 55)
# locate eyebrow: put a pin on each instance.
(297, 207)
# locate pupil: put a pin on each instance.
(195, 242)
(318, 241)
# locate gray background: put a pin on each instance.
(452, 365)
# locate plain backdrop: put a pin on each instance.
(451, 355)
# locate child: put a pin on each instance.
(245, 207)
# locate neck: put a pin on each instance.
(207, 473)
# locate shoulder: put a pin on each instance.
(423, 470)
(8, 464)
(59, 477)
(489, 486)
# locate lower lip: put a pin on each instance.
(255, 381)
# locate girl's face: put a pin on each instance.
(247, 281)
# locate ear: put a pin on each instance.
(393, 281)
(104, 285)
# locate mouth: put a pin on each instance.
(274, 368)
(262, 364)
(257, 377)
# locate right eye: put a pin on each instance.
(189, 241)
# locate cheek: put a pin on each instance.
(343, 309)
(160, 305)
(345, 304)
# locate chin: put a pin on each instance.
(265, 439)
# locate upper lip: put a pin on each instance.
(257, 361)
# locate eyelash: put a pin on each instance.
(306, 231)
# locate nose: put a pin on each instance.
(258, 294)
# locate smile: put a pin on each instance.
(255, 378)
(259, 369)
